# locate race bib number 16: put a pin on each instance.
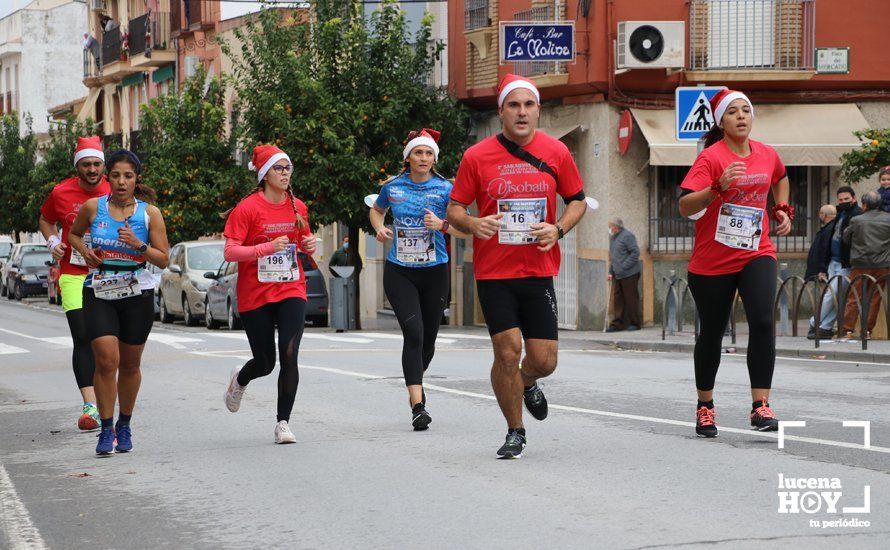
(519, 216)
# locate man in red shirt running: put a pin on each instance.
(514, 178)
(60, 209)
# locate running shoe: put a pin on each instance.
(705, 425)
(420, 419)
(535, 402)
(513, 446)
(283, 434)
(763, 419)
(105, 446)
(234, 391)
(124, 439)
(89, 420)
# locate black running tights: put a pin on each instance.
(259, 324)
(82, 357)
(418, 296)
(756, 284)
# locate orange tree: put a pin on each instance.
(189, 160)
(865, 161)
(339, 92)
(17, 157)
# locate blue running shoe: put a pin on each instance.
(105, 447)
(124, 439)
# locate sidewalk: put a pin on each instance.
(649, 339)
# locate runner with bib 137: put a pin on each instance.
(726, 193)
(514, 178)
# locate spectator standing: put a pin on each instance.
(884, 189)
(869, 239)
(818, 261)
(624, 271)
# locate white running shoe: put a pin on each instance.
(234, 391)
(283, 433)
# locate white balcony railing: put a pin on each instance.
(752, 34)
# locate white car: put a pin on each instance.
(182, 287)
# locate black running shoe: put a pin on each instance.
(763, 419)
(535, 402)
(514, 445)
(420, 419)
(705, 425)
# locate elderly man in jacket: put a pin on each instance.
(624, 272)
(818, 261)
(868, 236)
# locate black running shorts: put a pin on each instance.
(129, 319)
(528, 304)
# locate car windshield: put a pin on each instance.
(5, 250)
(205, 257)
(36, 259)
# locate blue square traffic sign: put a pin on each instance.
(692, 109)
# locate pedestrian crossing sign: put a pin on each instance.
(692, 108)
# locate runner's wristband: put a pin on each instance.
(715, 188)
(53, 242)
(445, 226)
(783, 207)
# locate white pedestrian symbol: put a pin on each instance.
(699, 118)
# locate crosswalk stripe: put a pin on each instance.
(6, 349)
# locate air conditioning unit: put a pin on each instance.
(651, 45)
(191, 65)
(98, 5)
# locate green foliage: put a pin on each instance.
(339, 95)
(56, 159)
(188, 159)
(17, 157)
(868, 159)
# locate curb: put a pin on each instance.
(820, 354)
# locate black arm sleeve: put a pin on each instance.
(579, 196)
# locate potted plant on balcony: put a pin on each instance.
(125, 45)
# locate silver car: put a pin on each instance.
(183, 286)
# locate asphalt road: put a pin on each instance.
(616, 465)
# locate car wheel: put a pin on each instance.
(187, 315)
(234, 322)
(19, 293)
(209, 321)
(164, 314)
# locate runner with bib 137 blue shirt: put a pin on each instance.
(415, 277)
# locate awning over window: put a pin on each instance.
(560, 132)
(803, 135)
(163, 73)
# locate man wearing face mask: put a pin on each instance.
(341, 256)
(624, 270)
(839, 259)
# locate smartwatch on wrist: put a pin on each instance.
(445, 226)
(560, 231)
(143, 248)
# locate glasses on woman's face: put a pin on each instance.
(283, 170)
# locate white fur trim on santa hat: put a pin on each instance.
(261, 173)
(84, 153)
(724, 104)
(515, 85)
(421, 140)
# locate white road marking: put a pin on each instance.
(384, 336)
(14, 518)
(6, 349)
(306, 336)
(63, 341)
(175, 342)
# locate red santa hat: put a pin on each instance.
(515, 82)
(427, 137)
(264, 156)
(90, 146)
(721, 100)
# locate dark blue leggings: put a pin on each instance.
(756, 284)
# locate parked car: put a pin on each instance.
(183, 286)
(28, 274)
(15, 253)
(6, 243)
(221, 305)
(156, 271)
(53, 292)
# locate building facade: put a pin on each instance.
(631, 56)
(129, 58)
(41, 38)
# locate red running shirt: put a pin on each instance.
(61, 207)
(488, 173)
(763, 169)
(255, 221)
